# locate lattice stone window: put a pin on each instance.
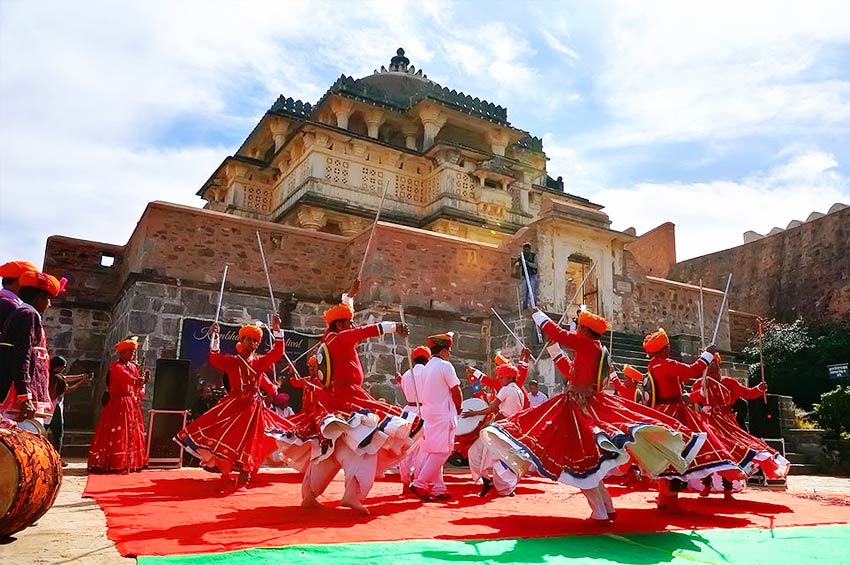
(336, 170)
(257, 198)
(372, 180)
(464, 187)
(411, 189)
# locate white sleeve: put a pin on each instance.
(539, 317)
(388, 327)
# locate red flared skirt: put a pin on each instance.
(232, 434)
(119, 444)
(578, 440)
(714, 458)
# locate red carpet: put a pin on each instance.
(170, 512)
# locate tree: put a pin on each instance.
(833, 411)
(796, 357)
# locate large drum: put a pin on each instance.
(471, 424)
(30, 476)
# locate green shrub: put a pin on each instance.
(833, 411)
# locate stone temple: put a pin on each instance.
(462, 190)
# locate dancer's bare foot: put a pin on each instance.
(311, 502)
(355, 505)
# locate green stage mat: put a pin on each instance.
(750, 546)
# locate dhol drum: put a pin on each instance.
(468, 425)
(30, 477)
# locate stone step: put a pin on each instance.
(804, 469)
(75, 451)
(796, 458)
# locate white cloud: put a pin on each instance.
(711, 216)
(686, 71)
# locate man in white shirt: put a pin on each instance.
(411, 385)
(483, 463)
(535, 396)
(441, 401)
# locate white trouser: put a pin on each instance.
(360, 470)
(409, 464)
(600, 502)
(484, 463)
(429, 476)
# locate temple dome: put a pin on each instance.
(399, 82)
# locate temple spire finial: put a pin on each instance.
(399, 63)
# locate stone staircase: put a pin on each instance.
(803, 450)
(76, 443)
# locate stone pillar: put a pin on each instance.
(498, 139)
(374, 119)
(350, 226)
(279, 129)
(410, 130)
(311, 218)
(433, 119)
(342, 109)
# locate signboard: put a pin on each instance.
(839, 371)
(195, 347)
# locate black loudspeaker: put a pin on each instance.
(765, 421)
(163, 429)
(171, 384)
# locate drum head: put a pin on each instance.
(468, 425)
(9, 477)
(33, 426)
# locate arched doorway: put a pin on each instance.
(578, 266)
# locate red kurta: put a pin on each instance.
(580, 436)
(748, 451)
(119, 439)
(714, 458)
(232, 434)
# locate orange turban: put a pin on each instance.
(339, 312)
(14, 269)
(507, 370)
(593, 322)
(42, 281)
(446, 339)
(718, 359)
(656, 341)
(251, 331)
(421, 351)
(501, 359)
(130, 343)
(632, 373)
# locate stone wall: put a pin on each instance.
(656, 250)
(78, 321)
(800, 272)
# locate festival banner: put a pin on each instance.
(195, 346)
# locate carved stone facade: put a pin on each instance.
(462, 190)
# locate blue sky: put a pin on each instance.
(719, 117)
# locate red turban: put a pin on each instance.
(251, 331)
(42, 281)
(14, 269)
(507, 370)
(593, 322)
(421, 351)
(130, 343)
(338, 312)
(656, 341)
(446, 339)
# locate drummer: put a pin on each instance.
(483, 463)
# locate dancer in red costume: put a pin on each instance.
(582, 435)
(346, 428)
(748, 452)
(495, 383)
(668, 376)
(119, 439)
(231, 436)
